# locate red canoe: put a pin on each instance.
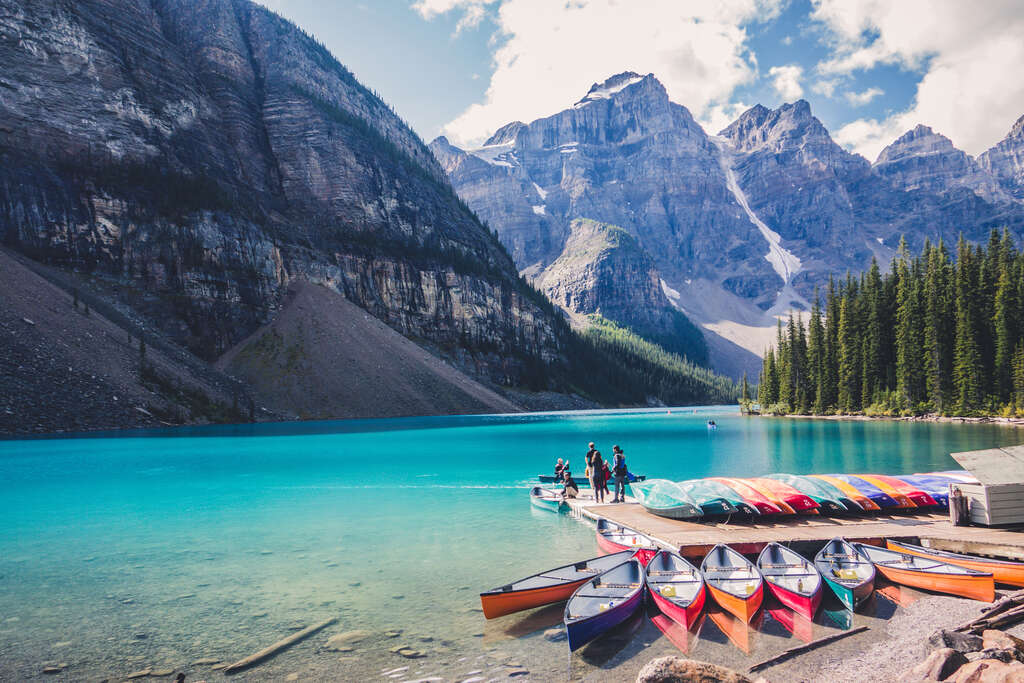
(676, 587)
(794, 580)
(787, 494)
(614, 538)
(916, 495)
(752, 496)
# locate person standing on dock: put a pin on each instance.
(620, 472)
(597, 483)
(590, 456)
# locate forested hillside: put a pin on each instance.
(937, 333)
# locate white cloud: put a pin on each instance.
(786, 80)
(473, 11)
(549, 53)
(859, 99)
(970, 54)
(826, 86)
(719, 116)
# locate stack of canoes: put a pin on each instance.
(792, 494)
(603, 592)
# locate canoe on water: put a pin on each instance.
(791, 578)
(777, 491)
(604, 602)
(917, 496)
(551, 586)
(546, 499)
(733, 582)
(828, 498)
(751, 496)
(716, 495)
(851, 492)
(902, 499)
(1002, 571)
(877, 495)
(936, 487)
(665, 498)
(676, 587)
(929, 574)
(614, 538)
(850, 576)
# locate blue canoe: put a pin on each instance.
(877, 495)
(936, 487)
(604, 602)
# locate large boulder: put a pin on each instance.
(994, 639)
(679, 670)
(940, 664)
(989, 671)
(961, 642)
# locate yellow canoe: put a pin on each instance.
(851, 491)
(889, 490)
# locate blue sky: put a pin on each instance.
(871, 69)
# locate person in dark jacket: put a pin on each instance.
(621, 474)
(569, 488)
(559, 466)
(590, 456)
(597, 477)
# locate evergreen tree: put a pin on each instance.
(816, 356)
(967, 366)
(871, 355)
(830, 379)
(1018, 379)
(938, 346)
(909, 331)
(744, 388)
(849, 359)
(1004, 325)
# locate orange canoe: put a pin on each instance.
(888, 489)
(929, 574)
(849, 490)
(733, 582)
(1003, 571)
(553, 585)
(917, 496)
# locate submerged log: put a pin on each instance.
(807, 647)
(268, 652)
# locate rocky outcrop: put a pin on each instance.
(679, 670)
(1005, 161)
(203, 157)
(603, 269)
(921, 159)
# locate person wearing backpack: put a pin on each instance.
(621, 473)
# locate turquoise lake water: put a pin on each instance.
(156, 549)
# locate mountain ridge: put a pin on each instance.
(632, 158)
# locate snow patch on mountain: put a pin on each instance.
(786, 263)
(604, 91)
(541, 192)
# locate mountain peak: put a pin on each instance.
(1018, 129)
(760, 126)
(613, 85)
(919, 140)
(505, 134)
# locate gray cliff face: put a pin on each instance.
(624, 154)
(1005, 161)
(740, 226)
(921, 159)
(209, 154)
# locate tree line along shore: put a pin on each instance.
(933, 335)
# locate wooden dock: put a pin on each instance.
(695, 539)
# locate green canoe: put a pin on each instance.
(707, 492)
(665, 499)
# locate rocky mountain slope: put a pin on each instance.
(320, 353)
(741, 226)
(1005, 161)
(603, 270)
(199, 158)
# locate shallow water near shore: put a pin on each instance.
(153, 550)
